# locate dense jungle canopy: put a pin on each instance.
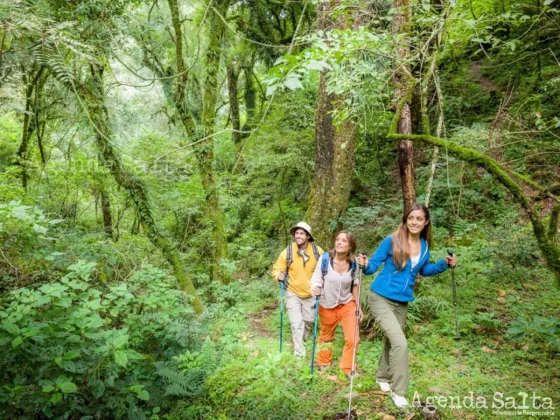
(154, 154)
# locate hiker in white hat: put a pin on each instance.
(298, 260)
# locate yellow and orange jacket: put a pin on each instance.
(299, 276)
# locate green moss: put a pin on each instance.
(549, 250)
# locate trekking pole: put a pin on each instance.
(454, 287)
(314, 335)
(360, 272)
(281, 312)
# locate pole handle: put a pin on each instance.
(451, 254)
(362, 254)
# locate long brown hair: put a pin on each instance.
(351, 241)
(401, 248)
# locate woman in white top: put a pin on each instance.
(335, 281)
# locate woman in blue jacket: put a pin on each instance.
(405, 254)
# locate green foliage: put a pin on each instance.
(356, 65)
(90, 327)
(425, 308)
(9, 135)
(24, 242)
(76, 347)
(537, 330)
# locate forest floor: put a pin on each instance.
(484, 375)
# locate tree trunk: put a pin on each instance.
(550, 251)
(334, 153)
(401, 79)
(29, 125)
(232, 76)
(92, 95)
(106, 209)
(204, 151)
(250, 96)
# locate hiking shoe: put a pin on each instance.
(399, 400)
(384, 386)
(322, 368)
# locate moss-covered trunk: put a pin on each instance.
(334, 154)
(92, 96)
(204, 150)
(550, 251)
(400, 26)
(232, 77)
(250, 97)
(31, 80)
(106, 210)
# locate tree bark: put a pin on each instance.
(250, 97)
(93, 97)
(550, 251)
(400, 29)
(232, 76)
(31, 80)
(204, 151)
(105, 209)
(334, 153)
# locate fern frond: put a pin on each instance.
(188, 384)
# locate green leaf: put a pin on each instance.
(68, 387)
(98, 388)
(134, 355)
(42, 300)
(11, 328)
(120, 341)
(64, 302)
(78, 285)
(40, 229)
(72, 354)
(56, 398)
(17, 342)
(271, 89)
(121, 358)
(143, 395)
(318, 65)
(280, 60)
(293, 83)
(48, 388)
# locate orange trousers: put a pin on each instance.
(329, 320)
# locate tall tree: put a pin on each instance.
(232, 79)
(32, 81)
(204, 150)
(334, 147)
(64, 63)
(92, 95)
(400, 27)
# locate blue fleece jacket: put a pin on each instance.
(398, 284)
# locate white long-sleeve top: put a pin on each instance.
(336, 289)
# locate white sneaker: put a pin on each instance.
(399, 400)
(385, 387)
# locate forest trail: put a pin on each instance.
(440, 366)
(368, 402)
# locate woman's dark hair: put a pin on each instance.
(401, 248)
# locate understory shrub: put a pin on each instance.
(75, 347)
